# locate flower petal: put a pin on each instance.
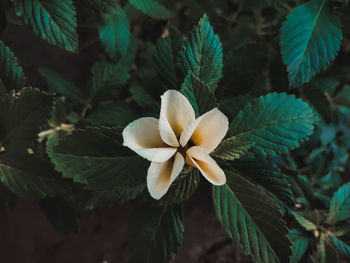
(176, 114)
(206, 165)
(207, 131)
(142, 136)
(161, 175)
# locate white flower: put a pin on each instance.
(175, 140)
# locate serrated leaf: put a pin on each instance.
(307, 220)
(142, 96)
(153, 9)
(310, 40)
(22, 116)
(52, 20)
(252, 219)
(198, 94)
(114, 32)
(103, 164)
(155, 233)
(182, 188)
(342, 247)
(340, 205)
(327, 252)
(166, 56)
(31, 177)
(300, 245)
(275, 123)
(202, 54)
(62, 86)
(11, 73)
(232, 148)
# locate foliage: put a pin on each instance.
(278, 70)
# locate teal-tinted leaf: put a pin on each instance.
(198, 94)
(300, 245)
(310, 40)
(11, 73)
(103, 164)
(232, 148)
(153, 9)
(22, 116)
(327, 252)
(275, 123)
(114, 33)
(62, 86)
(52, 20)
(252, 219)
(182, 188)
(307, 220)
(342, 246)
(340, 205)
(202, 54)
(155, 233)
(166, 56)
(60, 214)
(31, 177)
(118, 113)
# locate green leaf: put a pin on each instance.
(142, 96)
(275, 123)
(310, 40)
(166, 56)
(103, 164)
(307, 220)
(300, 245)
(182, 189)
(108, 76)
(342, 247)
(60, 85)
(202, 54)
(340, 205)
(11, 73)
(22, 116)
(153, 9)
(155, 233)
(31, 177)
(52, 20)
(327, 252)
(118, 113)
(252, 219)
(198, 94)
(232, 148)
(114, 32)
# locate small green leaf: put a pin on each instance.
(153, 9)
(310, 40)
(103, 164)
(232, 148)
(252, 219)
(300, 245)
(198, 94)
(31, 177)
(275, 123)
(22, 116)
(114, 32)
(182, 189)
(11, 73)
(340, 205)
(60, 85)
(52, 20)
(202, 54)
(307, 220)
(343, 247)
(155, 233)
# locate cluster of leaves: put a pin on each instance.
(62, 144)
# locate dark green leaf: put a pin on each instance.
(114, 32)
(310, 40)
(275, 123)
(340, 205)
(202, 54)
(198, 94)
(22, 116)
(153, 9)
(342, 247)
(307, 220)
(252, 219)
(232, 148)
(142, 96)
(52, 20)
(99, 6)
(300, 245)
(11, 73)
(155, 233)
